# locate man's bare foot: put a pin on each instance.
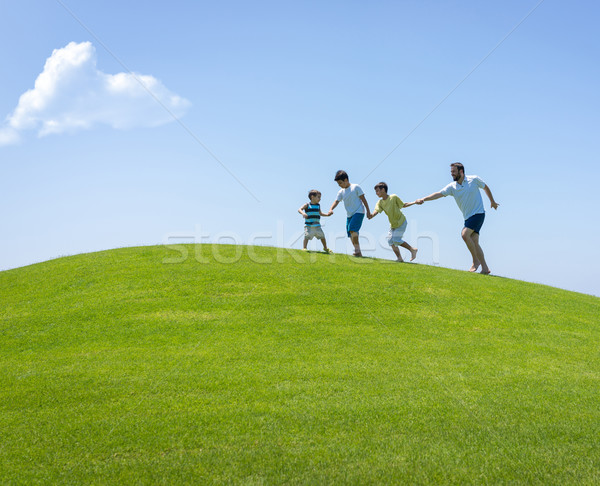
(413, 254)
(474, 267)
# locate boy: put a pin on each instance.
(355, 203)
(392, 205)
(311, 212)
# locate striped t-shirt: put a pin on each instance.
(313, 211)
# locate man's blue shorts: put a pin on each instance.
(354, 222)
(475, 222)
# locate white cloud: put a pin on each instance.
(8, 136)
(71, 94)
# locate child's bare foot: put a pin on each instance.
(474, 267)
(399, 260)
(357, 254)
(485, 271)
(413, 254)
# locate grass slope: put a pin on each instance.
(263, 366)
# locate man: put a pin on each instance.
(465, 190)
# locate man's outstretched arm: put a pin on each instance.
(431, 197)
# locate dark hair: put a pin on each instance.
(381, 185)
(341, 175)
(459, 166)
(313, 192)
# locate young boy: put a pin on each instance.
(311, 212)
(392, 206)
(354, 200)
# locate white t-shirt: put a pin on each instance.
(467, 195)
(351, 197)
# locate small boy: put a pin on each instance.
(311, 211)
(392, 206)
(355, 203)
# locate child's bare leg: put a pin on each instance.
(324, 244)
(413, 251)
(355, 242)
(305, 242)
(397, 253)
(484, 268)
(467, 237)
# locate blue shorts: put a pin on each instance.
(354, 222)
(475, 222)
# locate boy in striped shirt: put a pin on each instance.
(311, 212)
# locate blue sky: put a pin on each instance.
(254, 103)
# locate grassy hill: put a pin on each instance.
(262, 366)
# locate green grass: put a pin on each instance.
(116, 367)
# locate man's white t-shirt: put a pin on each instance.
(351, 197)
(467, 195)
